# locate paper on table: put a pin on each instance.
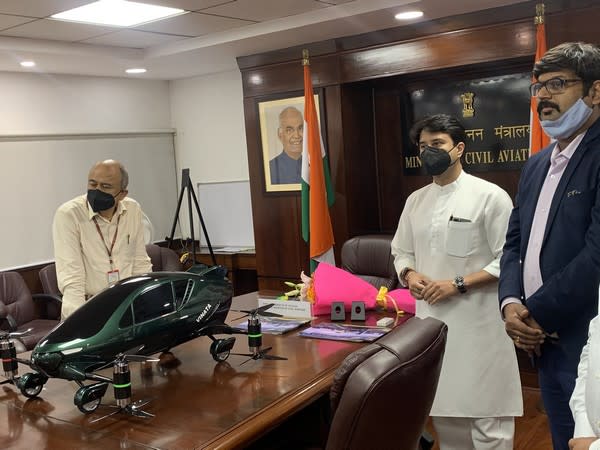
(232, 249)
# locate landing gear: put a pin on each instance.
(31, 384)
(221, 348)
(87, 398)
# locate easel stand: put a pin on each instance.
(186, 184)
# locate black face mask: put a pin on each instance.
(436, 160)
(100, 201)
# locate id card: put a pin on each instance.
(113, 277)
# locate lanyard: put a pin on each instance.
(112, 245)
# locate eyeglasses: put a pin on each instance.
(553, 86)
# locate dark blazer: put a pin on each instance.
(570, 254)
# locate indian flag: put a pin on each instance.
(537, 138)
(317, 193)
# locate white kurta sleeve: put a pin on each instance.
(403, 249)
(577, 403)
(497, 214)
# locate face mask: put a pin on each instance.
(436, 160)
(100, 201)
(569, 122)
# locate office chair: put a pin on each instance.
(19, 309)
(370, 258)
(47, 275)
(382, 394)
(163, 259)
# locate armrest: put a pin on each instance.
(12, 323)
(46, 297)
(49, 305)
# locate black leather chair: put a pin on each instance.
(47, 275)
(163, 259)
(19, 311)
(370, 257)
(382, 394)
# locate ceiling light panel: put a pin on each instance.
(118, 13)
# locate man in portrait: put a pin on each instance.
(286, 167)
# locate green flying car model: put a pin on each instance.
(137, 317)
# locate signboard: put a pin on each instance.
(495, 113)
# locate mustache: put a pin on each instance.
(546, 104)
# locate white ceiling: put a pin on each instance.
(205, 40)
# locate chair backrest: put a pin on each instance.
(382, 394)
(163, 259)
(370, 257)
(47, 276)
(16, 296)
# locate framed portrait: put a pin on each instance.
(281, 131)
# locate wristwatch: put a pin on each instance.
(459, 283)
(405, 272)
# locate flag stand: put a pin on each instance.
(186, 184)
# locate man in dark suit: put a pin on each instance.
(550, 268)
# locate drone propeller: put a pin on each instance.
(133, 409)
(260, 354)
(260, 311)
(122, 385)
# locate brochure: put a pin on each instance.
(275, 325)
(344, 332)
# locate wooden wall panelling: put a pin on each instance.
(459, 48)
(335, 143)
(576, 21)
(390, 123)
(276, 219)
(467, 46)
(359, 156)
(289, 76)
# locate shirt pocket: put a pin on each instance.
(460, 237)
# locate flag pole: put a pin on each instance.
(540, 10)
(537, 138)
(305, 58)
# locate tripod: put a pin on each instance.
(186, 183)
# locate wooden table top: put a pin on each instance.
(198, 404)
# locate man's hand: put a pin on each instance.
(582, 443)
(526, 333)
(416, 283)
(437, 291)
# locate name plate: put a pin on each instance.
(288, 308)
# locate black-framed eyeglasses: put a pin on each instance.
(553, 85)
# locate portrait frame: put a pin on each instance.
(268, 113)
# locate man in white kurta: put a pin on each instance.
(585, 401)
(447, 250)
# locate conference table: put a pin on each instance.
(197, 403)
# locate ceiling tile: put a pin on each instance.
(57, 30)
(193, 24)
(189, 5)
(263, 10)
(133, 39)
(11, 21)
(38, 8)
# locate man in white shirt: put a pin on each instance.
(447, 250)
(98, 237)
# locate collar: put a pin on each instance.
(121, 208)
(568, 151)
(450, 187)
